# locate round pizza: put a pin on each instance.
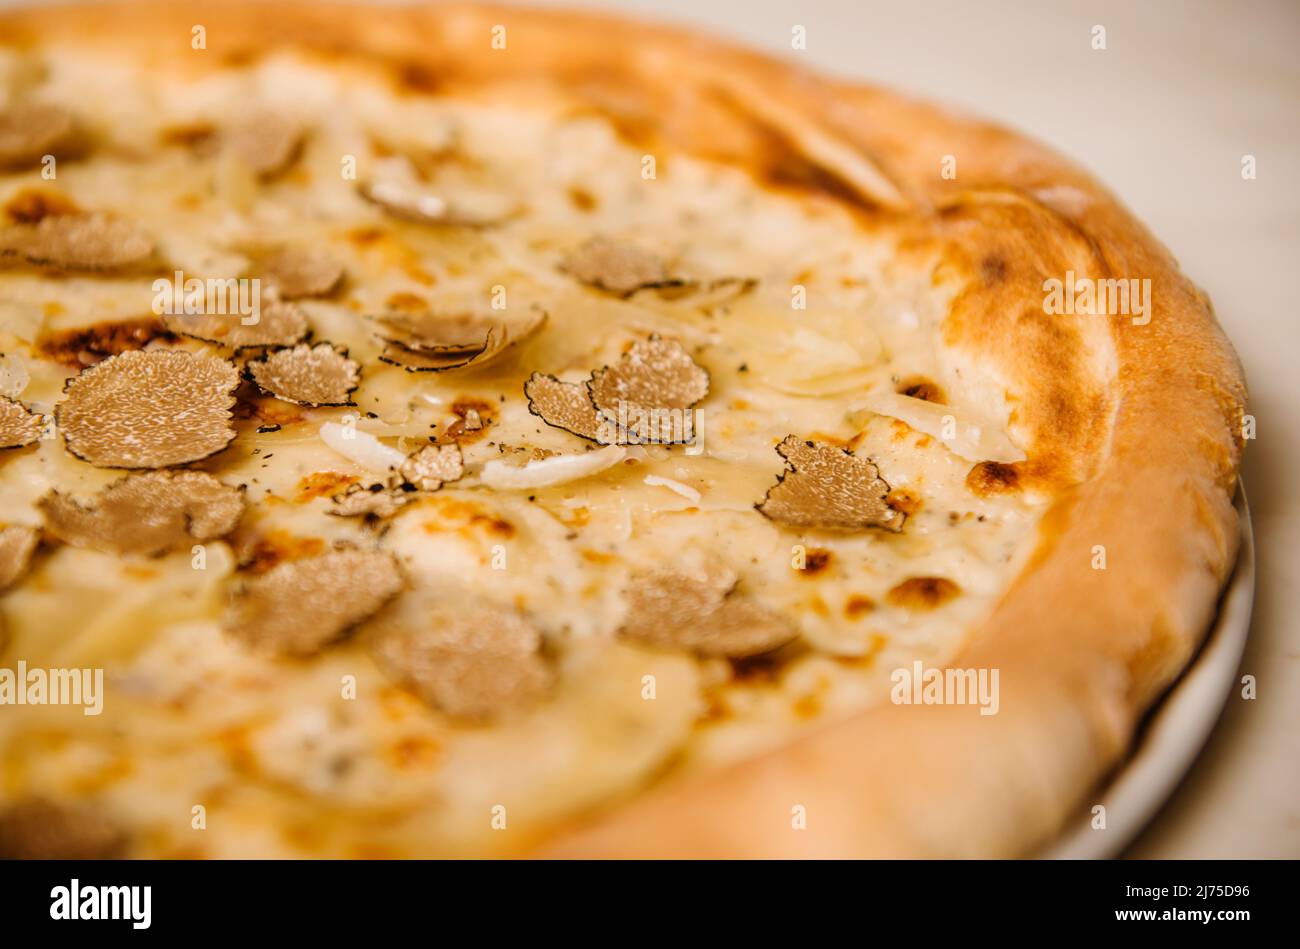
(466, 431)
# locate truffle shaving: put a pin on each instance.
(307, 375)
(433, 466)
(654, 377)
(82, 241)
(299, 606)
(429, 353)
(19, 426)
(278, 324)
(565, 405)
(828, 487)
(701, 612)
(302, 272)
(376, 500)
(617, 267)
(146, 513)
(149, 409)
(475, 662)
(30, 131)
(266, 142)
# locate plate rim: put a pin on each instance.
(1174, 733)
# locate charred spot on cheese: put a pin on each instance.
(266, 142)
(700, 612)
(650, 381)
(473, 416)
(37, 828)
(617, 267)
(565, 405)
(146, 513)
(904, 501)
(19, 425)
(92, 241)
(919, 387)
(828, 487)
(816, 560)
(278, 324)
(149, 409)
(188, 134)
(299, 606)
(922, 593)
(30, 131)
(475, 662)
(426, 207)
(88, 345)
(433, 466)
(17, 545)
(32, 205)
(307, 375)
(858, 606)
(302, 272)
(993, 477)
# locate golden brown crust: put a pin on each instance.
(1131, 429)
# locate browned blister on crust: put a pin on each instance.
(279, 324)
(17, 544)
(299, 606)
(30, 131)
(149, 409)
(828, 488)
(565, 405)
(19, 425)
(307, 375)
(267, 142)
(702, 612)
(296, 272)
(433, 466)
(475, 661)
(37, 828)
(92, 241)
(616, 266)
(146, 513)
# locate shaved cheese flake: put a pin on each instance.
(554, 470)
(360, 447)
(685, 490)
(13, 375)
(962, 436)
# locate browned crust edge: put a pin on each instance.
(1143, 463)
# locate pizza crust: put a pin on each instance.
(1131, 429)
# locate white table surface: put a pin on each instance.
(1163, 116)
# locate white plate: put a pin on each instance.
(1176, 730)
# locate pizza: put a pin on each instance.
(466, 431)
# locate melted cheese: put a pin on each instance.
(282, 760)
